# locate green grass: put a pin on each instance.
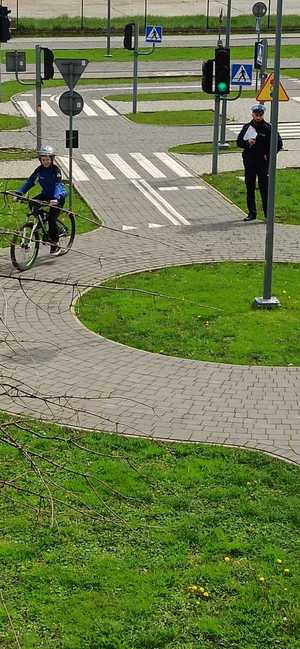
(287, 207)
(291, 72)
(173, 117)
(166, 516)
(171, 96)
(196, 148)
(12, 153)
(212, 320)
(13, 215)
(171, 24)
(12, 122)
(162, 54)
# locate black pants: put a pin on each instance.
(53, 215)
(261, 171)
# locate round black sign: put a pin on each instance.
(259, 9)
(71, 103)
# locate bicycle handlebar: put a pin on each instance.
(24, 199)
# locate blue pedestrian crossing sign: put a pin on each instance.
(153, 34)
(241, 74)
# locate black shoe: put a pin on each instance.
(55, 251)
(250, 217)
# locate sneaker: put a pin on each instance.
(54, 250)
(250, 217)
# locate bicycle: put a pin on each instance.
(26, 241)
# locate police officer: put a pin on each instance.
(254, 139)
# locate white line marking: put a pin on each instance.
(163, 201)
(26, 108)
(47, 109)
(148, 165)
(78, 174)
(155, 225)
(154, 202)
(172, 164)
(191, 187)
(125, 168)
(89, 111)
(168, 189)
(26, 94)
(98, 166)
(108, 110)
(128, 227)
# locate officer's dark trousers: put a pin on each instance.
(261, 171)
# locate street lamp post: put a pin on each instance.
(145, 15)
(108, 51)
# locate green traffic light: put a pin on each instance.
(222, 86)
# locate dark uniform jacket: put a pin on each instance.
(256, 153)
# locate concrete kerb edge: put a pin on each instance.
(160, 440)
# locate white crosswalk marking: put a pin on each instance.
(90, 112)
(123, 166)
(108, 110)
(78, 174)
(26, 108)
(47, 109)
(172, 164)
(148, 165)
(98, 166)
(287, 130)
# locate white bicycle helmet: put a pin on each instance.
(46, 150)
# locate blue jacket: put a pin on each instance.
(50, 180)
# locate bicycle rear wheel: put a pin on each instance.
(24, 247)
(66, 230)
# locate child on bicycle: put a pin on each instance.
(48, 176)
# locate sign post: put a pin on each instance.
(71, 103)
(268, 301)
(259, 10)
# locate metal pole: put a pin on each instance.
(38, 96)
(268, 301)
(81, 26)
(216, 135)
(269, 12)
(207, 14)
(224, 102)
(17, 17)
(145, 15)
(71, 154)
(108, 50)
(263, 70)
(135, 68)
(257, 26)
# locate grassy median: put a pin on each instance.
(202, 312)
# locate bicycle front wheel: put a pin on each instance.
(66, 231)
(24, 247)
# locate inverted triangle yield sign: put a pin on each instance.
(265, 93)
(71, 70)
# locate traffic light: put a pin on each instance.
(129, 36)
(208, 76)
(48, 64)
(4, 24)
(222, 71)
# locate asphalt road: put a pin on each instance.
(192, 40)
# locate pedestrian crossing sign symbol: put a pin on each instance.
(241, 74)
(265, 93)
(153, 34)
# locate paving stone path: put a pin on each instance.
(96, 383)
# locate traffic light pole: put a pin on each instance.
(268, 301)
(38, 96)
(214, 169)
(135, 68)
(71, 146)
(224, 105)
